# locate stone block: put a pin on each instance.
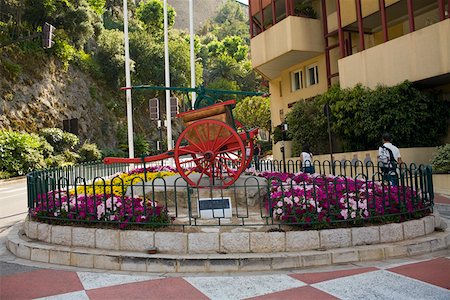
(316, 259)
(134, 264)
(25, 227)
(203, 242)
(371, 254)
(438, 244)
(238, 242)
(391, 233)
(302, 240)
(429, 224)
(23, 251)
(344, 256)
(395, 251)
(223, 265)
(43, 232)
(171, 242)
(42, 255)
(161, 265)
(192, 265)
(107, 262)
(133, 240)
(82, 260)
(60, 257)
(413, 229)
(11, 246)
(83, 237)
(335, 238)
(32, 230)
(107, 239)
(286, 262)
(437, 218)
(255, 264)
(419, 248)
(263, 242)
(365, 235)
(61, 235)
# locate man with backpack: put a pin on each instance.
(389, 159)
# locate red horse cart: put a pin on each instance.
(213, 149)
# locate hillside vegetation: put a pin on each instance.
(80, 76)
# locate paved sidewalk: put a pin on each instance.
(421, 277)
(424, 277)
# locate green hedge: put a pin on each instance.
(360, 115)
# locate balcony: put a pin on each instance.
(417, 56)
(287, 43)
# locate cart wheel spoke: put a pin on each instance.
(215, 148)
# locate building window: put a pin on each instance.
(312, 75)
(296, 80)
(280, 88)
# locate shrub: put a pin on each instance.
(441, 162)
(113, 153)
(59, 139)
(89, 152)
(21, 153)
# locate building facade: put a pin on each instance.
(303, 46)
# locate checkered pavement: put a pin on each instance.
(429, 279)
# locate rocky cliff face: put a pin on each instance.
(36, 93)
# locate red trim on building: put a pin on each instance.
(360, 25)
(441, 10)
(382, 6)
(251, 18)
(412, 27)
(340, 31)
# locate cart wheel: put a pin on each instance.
(248, 142)
(214, 155)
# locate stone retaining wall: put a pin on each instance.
(238, 240)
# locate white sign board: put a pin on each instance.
(209, 208)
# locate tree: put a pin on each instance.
(254, 112)
(307, 125)
(110, 55)
(151, 14)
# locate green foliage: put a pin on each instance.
(21, 153)
(441, 162)
(5, 175)
(254, 112)
(97, 5)
(12, 70)
(151, 14)
(60, 140)
(305, 9)
(110, 56)
(64, 51)
(307, 125)
(108, 152)
(141, 145)
(414, 118)
(89, 152)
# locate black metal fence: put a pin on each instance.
(128, 196)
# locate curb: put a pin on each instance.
(13, 179)
(26, 248)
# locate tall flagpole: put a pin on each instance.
(191, 32)
(167, 79)
(128, 81)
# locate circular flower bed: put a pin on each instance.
(306, 199)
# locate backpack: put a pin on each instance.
(390, 165)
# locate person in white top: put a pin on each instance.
(389, 159)
(307, 160)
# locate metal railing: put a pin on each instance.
(114, 194)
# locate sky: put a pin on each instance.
(243, 1)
